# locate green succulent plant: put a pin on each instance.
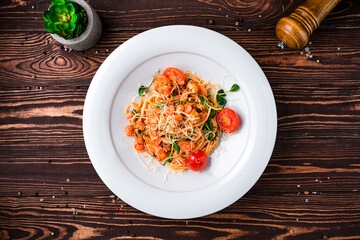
(65, 18)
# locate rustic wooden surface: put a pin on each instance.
(310, 189)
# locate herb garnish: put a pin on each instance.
(143, 90)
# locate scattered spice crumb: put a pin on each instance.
(259, 16)
(52, 234)
(19, 193)
(33, 7)
(211, 22)
(112, 196)
(306, 192)
(328, 178)
(96, 51)
(298, 193)
(318, 61)
(316, 180)
(319, 181)
(41, 199)
(283, 8)
(33, 76)
(67, 180)
(62, 188)
(107, 50)
(113, 200)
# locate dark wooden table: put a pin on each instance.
(310, 189)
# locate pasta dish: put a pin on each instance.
(179, 119)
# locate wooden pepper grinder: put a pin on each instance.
(294, 31)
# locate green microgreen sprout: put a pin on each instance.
(143, 90)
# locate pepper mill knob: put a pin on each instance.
(296, 29)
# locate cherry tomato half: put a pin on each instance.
(175, 75)
(197, 161)
(227, 120)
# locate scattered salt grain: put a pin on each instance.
(301, 52)
(259, 16)
(310, 43)
(62, 188)
(307, 55)
(41, 199)
(67, 180)
(73, 210)
(318, 61)
(249, 30)
(84, 206)
(310, 56)
(298, 185)
(121, 206)
(307, 49)
(281, 44)
(338, 49)
(297, 219)
(227, 15)
(236, 23)
(314, 193)
(306, 200)
(53, 196)
(112, 196)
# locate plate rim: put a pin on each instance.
(92, 89)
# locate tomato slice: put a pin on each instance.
(227, 120)
(175, 75)
(197, 161)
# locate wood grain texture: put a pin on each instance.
(310, 189)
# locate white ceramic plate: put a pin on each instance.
(231, 171)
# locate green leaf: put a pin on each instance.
(234, 88)
(221, 92)
(50, 27)
(142, 90)
(134, 112)
(71, 8)
(221, 100)
(74, 18)
(177, 148)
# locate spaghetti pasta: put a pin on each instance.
(175, 117)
